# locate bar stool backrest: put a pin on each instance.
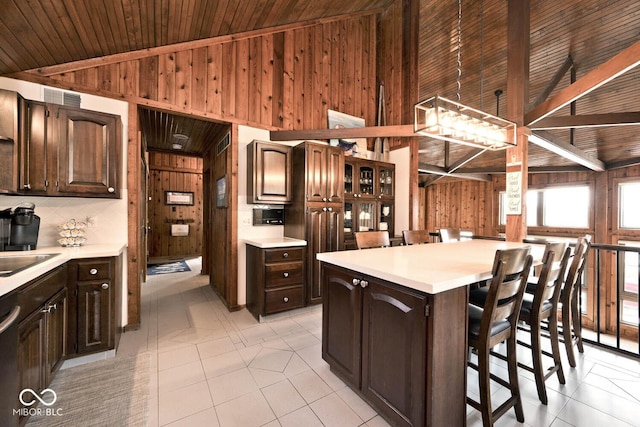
(554, 267)
(372, 239)
(449, 234)
(415, 237)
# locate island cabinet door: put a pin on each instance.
(341, 323)
(394, 352)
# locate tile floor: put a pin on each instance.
(211, 367)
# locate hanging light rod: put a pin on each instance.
(440, 118)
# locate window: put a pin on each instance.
(629, 204)
(563, 207)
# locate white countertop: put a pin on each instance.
(275, 242)
(9, 283)
(429, 268)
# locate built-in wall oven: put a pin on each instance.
(9, 311)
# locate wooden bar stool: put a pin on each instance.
(415, 237)
(538, 307)
(372, 239)
(449, 234)
(495, 322)
(571, 326)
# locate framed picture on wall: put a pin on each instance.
(178, 198)
(221, 192)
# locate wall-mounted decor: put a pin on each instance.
(356, 147)
(221, 192)
(178, 198)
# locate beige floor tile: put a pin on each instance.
(232, 385)
(250, 410)
(179, 356)
(333, 411)
(310, 386)
(377, 421)
(301, 340)
(355, 402)
(215, 347)
(223, 364)
(302, 417)
(296, 366)
(181, 376)
(206, 418)
(179, 403)
(265, 378)
(283, 398)
(196, 335)
(271, 359)
(579, 414)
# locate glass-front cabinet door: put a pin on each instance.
(348, 218)
(349, 172)
(366, 181)
(386, 180)
(385, 215)
(366, 216)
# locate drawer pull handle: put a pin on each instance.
(93, 271)
(285, 255)
(105, 286)
(285, 299)
(285, 274)
(111, 190)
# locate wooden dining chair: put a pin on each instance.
(449, 234)
(571, 326)
(496, 322)
(415, 237)
(372, 239)
(540, 309)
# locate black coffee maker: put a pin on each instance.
(19, 228)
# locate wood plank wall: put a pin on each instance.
(172, 172)
(284, 80)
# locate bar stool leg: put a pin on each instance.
(512, 364)
(555, 345)
(485, 385)
(536, 352)
(566, 333)
(577, 329)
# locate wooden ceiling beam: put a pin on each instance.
(535, 169)
(588, 120)
(566, 65)
(437, 170)
(552, 143)
(363, 132)
(614, 67)
(623, 163)
(463, 161)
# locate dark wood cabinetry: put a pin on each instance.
(275, 278)
(42, 330)
(57, 150)
(93, 305)
(269, 173)
(369, 198)
(316, 214)
(373, 337)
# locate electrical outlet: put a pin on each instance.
(91, 221)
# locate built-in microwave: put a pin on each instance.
(268, 215)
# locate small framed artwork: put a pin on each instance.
(178, 198)
(221, 192)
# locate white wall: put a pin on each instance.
(402, 160)
(110, 214)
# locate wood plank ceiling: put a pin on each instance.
(45, 33)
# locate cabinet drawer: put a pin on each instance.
(283, 273)
(284, 254)
(94, 270)
(283, 299)
(43, 288)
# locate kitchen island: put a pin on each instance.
(394, 325)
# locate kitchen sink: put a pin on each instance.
(14, 263)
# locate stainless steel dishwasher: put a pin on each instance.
(9, 311)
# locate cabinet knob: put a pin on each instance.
(285, 299)
(285, 274)
(330, 209)
(111, 190)
(27, 186)
(285, 255)
(93, 271)
(105, 286)
(324, 199)
(324, 209)
(364, 283)
(355, 282)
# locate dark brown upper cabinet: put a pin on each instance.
(11, 122)
(269, 173)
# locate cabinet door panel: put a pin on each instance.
(56, 337)
(273, 170)
(316, 242)
(394, 352)
(341, 322)
(31, 351)
(87, 150)
(335, 175)
(334, 230)
(93, 316)
(316, 169)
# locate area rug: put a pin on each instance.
(112, 392)
(174, 267)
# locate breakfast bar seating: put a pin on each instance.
(415, 237)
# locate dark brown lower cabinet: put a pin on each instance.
(379, 337)
(94, 326)
(42, 332)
